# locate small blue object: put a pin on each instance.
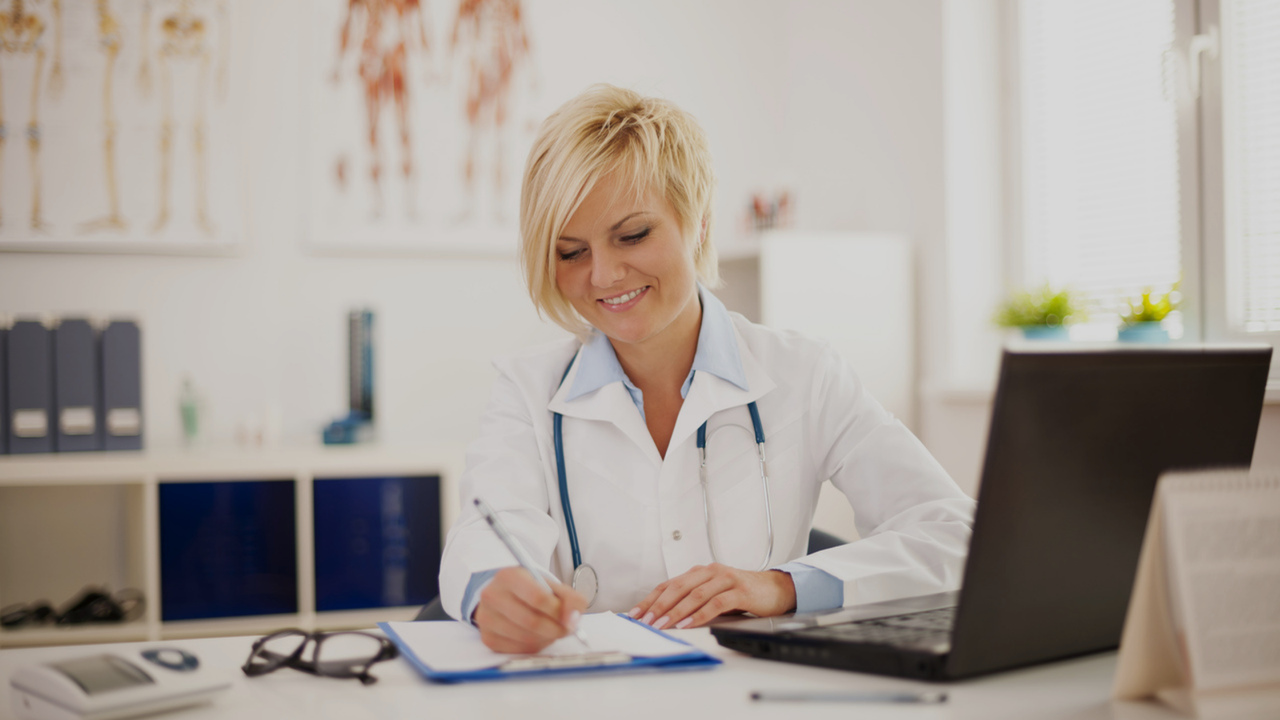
(346, 430)
(172, 658)
(1146, 332)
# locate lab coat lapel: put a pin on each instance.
(710, 394)
(611, 403)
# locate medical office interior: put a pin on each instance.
(261, 187)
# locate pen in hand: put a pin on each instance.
(522, 557)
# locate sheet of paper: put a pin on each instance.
(1224, 537)
(450, 646)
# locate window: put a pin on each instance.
(1101, 210)
(1249, 151)
(1148, 154)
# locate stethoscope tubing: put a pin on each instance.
(563, 480)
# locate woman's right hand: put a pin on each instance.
(515, 615)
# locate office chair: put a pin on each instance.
(818, 540)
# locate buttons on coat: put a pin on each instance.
(676, 535)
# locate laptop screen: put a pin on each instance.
(1078, 438)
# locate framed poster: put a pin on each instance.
(419, 118)
(119, 127)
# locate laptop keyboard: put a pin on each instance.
(929, 627)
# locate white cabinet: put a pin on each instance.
(72, 520)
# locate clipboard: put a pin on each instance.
(531, 666)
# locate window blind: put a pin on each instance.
(1251, 161)
(1100, 185)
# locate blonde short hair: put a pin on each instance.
(610, 129)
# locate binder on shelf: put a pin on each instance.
(4, 382)
(227, 549)
(29, 370)
(122, 386)
(377, 541)
(75, 387)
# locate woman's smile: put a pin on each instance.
(625, 301)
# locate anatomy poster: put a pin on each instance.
(117, 126)
(418, 124)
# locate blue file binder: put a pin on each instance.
(4, 382)
(227, 549)
(75, 387)
(122, 386)
(30, 391)
(377, 541)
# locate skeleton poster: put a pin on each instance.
(117, 125)
(419, 115)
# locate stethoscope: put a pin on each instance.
(585, 579)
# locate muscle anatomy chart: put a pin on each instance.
(386, 32)
(131, 120)
(412, 129)
(490, 41)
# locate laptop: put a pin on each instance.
(1077, 441)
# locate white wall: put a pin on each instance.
(875, 113)
(262, 333)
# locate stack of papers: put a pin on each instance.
(451, 651)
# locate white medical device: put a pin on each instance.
(113, 685)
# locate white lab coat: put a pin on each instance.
(640, 517)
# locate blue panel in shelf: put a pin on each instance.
(377, 541)
(227, 549)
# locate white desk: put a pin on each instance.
(1071, 690)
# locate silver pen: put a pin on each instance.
(521, 556)
(854, 697)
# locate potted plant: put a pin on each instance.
(1145, 320)
(1041, 315)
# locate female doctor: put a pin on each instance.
(666, 461)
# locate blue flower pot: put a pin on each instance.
(1144, 332)
(1045, 332)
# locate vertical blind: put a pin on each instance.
(1099, 156)
(1251, 161)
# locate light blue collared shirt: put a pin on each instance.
(718, 355)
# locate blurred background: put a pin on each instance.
(238, 176)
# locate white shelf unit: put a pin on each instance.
(77, 519)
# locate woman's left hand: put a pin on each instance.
(708, 591)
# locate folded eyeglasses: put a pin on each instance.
(342, 654)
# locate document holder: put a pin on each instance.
(30, 388)
(4, 382)
(122, 386)
(75, 387)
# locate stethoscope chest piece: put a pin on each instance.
(586, 583)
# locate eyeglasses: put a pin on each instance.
(345, 654)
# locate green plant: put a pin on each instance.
(1045, 306)
(1152, 309)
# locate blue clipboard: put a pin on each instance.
(695, 659)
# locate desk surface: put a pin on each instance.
(1070, 690)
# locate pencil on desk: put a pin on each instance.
(855, 697)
